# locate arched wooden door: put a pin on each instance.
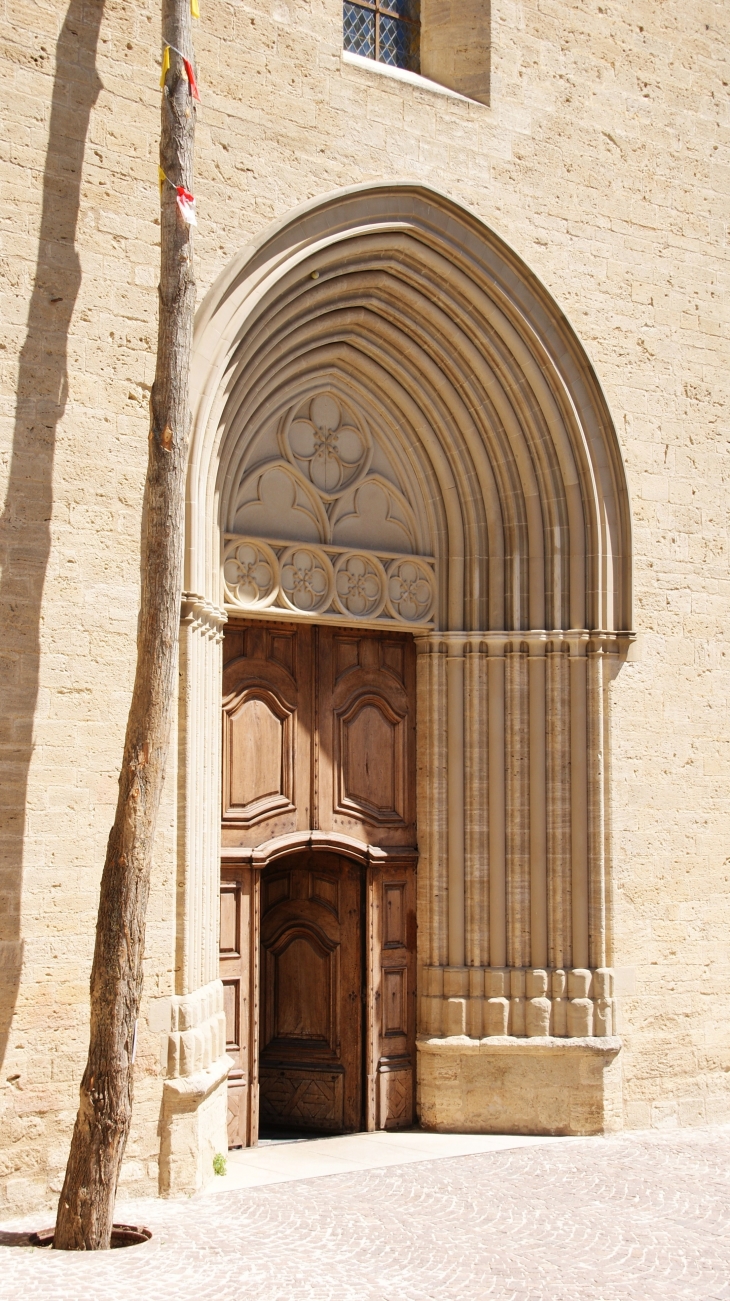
(312, 994)
(318, 947)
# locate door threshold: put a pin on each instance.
(273, 1162)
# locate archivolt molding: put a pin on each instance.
(393, 421)
(426, 329)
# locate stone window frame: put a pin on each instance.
(454, 47)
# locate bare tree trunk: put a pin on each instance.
(86, 1205)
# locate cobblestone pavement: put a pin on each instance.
(638, 1216)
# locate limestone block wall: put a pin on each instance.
(603, 160)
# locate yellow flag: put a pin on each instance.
(165, 65)
(161, 178)
(195, 8)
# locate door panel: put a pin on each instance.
(310, 1071)
(370, 762)
(260, 754)
(238, 972)
(267, 724)
(318, 732)
(367, 735)
(392, 1000)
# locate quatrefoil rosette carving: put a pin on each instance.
(250, 574)
(307, 581)
(411, 590)
(360, 585)
(328, 444)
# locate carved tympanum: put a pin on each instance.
(323, 521)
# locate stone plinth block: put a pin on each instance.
(193, 1128)
(520, 1086)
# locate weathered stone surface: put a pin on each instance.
(527, 1086)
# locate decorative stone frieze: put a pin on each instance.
(325, 519)
(328, 582)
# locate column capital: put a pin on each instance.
(202, 615)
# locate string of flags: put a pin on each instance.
(189, 73)
(185, 200)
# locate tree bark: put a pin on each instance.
(86, 1204)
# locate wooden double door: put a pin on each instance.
(318, 922)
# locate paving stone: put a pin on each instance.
(634, 1217)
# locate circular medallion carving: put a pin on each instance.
(307, 580)
(328, 444)
(251, 574)
(411, 590)
(360, 585)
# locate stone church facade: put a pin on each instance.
(444, 837)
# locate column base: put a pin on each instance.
(194, 1127)
(504, 1085)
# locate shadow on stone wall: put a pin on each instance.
(25, 526)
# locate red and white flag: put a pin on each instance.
(186, 204)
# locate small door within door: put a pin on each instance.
(311, 1028)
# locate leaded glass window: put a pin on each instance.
(386, 30)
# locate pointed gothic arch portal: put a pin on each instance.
(396, 428)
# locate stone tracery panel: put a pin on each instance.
(410, 590)
(275, 501)
(329, 582)
(307, 579)
(360, 585)
(327, 442)
(320, 525)
(250, 571)
(374, 515)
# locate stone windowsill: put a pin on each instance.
(403, 75)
